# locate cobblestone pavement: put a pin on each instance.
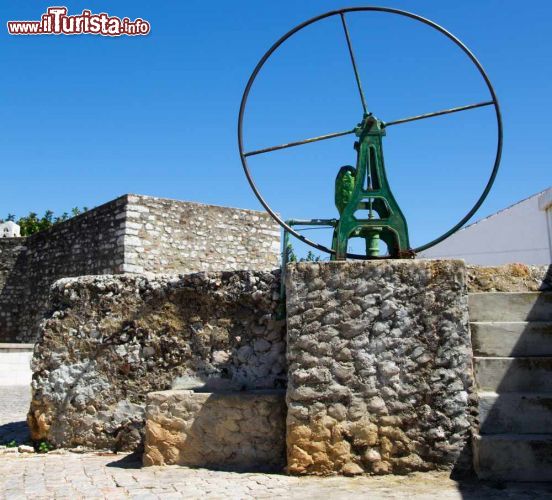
(93, 476)
(62, 474)
(14, 404)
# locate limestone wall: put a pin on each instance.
(242, 431)
(12, 251)
(509, 278)
(380, 373)
(132, 234)
(86, 244)
(172, 236)
(378, 368)
(114, 339)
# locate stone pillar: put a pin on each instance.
(380, 366)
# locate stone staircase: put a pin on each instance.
(512, 343)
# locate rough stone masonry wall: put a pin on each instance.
(172, 236)
(10, 309)
(133, 234)
(509, 278)
(114, 339)
(380, 376)
(238, 430)
(86, 244)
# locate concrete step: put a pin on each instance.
(501, 374)
(8, 347)
(513, 338)
(515, 413)
(510, 306)
(507, 457)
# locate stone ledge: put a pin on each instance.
(235, 430)
(12, 347)
(509, 278)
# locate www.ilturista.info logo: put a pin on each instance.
(56, 22)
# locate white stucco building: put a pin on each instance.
(520, 233)
(9, 229)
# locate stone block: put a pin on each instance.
(243, 431)
(511, 306)
(380, 367)
(511, 457)
(113, 339)
(512, 338)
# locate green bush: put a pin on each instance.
(32, 223)
(311, 257)
(292, 257)
(44, 447)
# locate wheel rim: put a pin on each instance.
(388, 10)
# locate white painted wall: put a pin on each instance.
(9, 229)
(15, 364)
(520, 233)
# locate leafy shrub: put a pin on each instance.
(44, 447)
(32, 223)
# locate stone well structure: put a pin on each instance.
(380, 367)
(376, 366)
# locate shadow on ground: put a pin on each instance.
(15, 431)
(475, 489)
(131, 461)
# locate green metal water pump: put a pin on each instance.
(367, 208)
(366, 205)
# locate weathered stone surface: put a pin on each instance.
(380, 367)
(86, 244)
(165, 235)
(509, 278)
(132, 234)
(240, 431)
(113, 339)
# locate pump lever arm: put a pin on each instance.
(353, 62)
(438, 113)
(299, 143)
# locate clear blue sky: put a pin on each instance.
(86, 118)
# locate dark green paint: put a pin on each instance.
(366, 188)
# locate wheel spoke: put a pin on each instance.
(439, 113)
(298, 143)
(353, 61)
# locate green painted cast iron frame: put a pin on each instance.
(371, 193)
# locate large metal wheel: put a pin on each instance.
(341, 14)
